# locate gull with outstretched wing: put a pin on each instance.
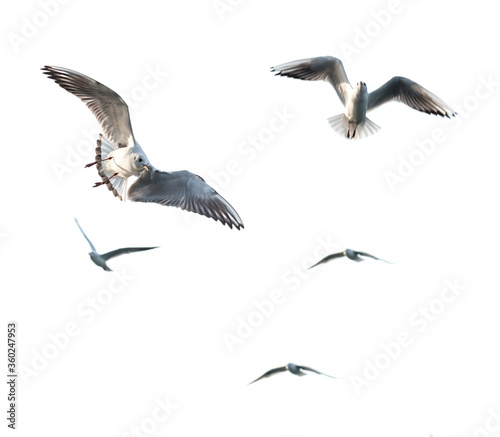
(101, 260)
(292, 368)
(353, 255)
(119, 156)
(353, 123)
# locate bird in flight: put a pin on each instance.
(353, 255)
(292, 368)
(119, 156)
(353, 123)
(101, 260)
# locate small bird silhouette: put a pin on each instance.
(292, 368)
(353, 123)
(353, 255)
(100, 260)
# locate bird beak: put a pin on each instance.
(151, 168)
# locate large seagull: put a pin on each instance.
(353, 123)
(119, 156)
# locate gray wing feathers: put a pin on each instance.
(123, 251)
(87, 238)
(269, 373)
(325, 68)
(108, 107)
(328, 258)
(184, 190)
(316, 371)
(410, 93)
(374, 257)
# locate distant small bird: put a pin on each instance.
(353, 255)
(119, 156)
(353, 123)
(292, 368)
(100, 260)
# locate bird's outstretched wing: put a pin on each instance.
(316, 371)
(269, 373)
(114, 253)
(108, 107)
(371, 256)
(328, 258)
(184, 190)
(87, 238)
(325, 68)
(410, 93)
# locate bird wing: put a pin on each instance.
(87, 238)
(328, 258)
(108, 107)
(325, 68)
(410, 93)
(269, 373)
(374, 257)
(123, 251)
(315, 371)
(184, 190)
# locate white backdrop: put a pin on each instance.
(167, 344)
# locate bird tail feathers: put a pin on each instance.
(117, 185)
(340, 124)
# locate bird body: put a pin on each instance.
(357, 103)
(355, 110)
(353, 123)
(119, 156)
(293, 368)
(127, 161)
(353, 255)
(98, 260)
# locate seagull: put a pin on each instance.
(293, 368)
(353, 123)
(100, 260)
(353, 255)
(119, 156)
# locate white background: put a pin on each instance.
(162, 335)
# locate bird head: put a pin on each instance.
(361, 86)
(140, 161)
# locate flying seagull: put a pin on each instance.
(119, 156)
(353, 255)
(353, 123)
(292, 368)
(100, 260)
